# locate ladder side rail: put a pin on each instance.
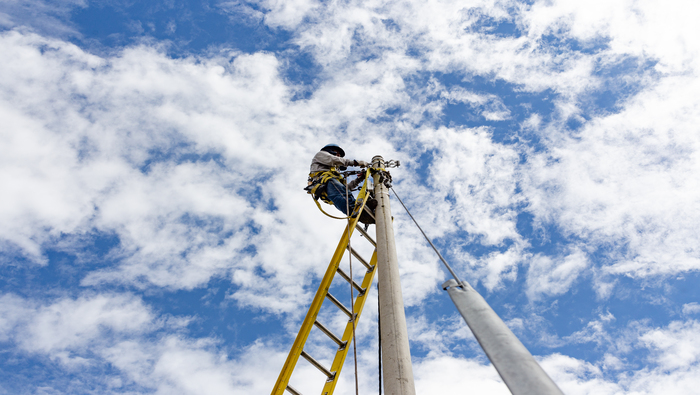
(340, 356)
(308, 323)
(514, 363)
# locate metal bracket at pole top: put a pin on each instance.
(379, 166)
(392, 163)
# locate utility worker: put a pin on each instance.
(328, 159)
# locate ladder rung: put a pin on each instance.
(354, 284)
(367, 236)
(292, 390)
(318, 365)
(330, 334)
(359, 258)
(340, 305)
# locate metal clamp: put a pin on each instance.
(384, 176)
(392, 163)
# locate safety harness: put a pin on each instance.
(317, 183)
(316, 187)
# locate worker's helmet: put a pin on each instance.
(331, 148)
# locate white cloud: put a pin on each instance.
(574, 376)
(676, 346)
(627, 181)
(470, 193)
(489, 106)
(240, 107)
(179, 212)
(13, 310)
(105, 157)
(444, 374)
(554, 276)
(119, 329)
(73, 324)
(287, 14)
(602, 181)
(421, 271)
(241, 10)
(40, 16)
(441, 36)
(479, 176)
(595, 331)
(691, 308)
(102, 145)
(675, 353)
(624, 182)
(641, 28)
(672, 368)
(671, 365)
(111, 154)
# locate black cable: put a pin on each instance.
(426, 237)
(379, 339)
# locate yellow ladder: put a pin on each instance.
(323, 293)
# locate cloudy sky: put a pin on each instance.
(155, 237)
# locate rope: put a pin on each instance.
(320, 208)
(379, 339)
(349, 218)
(352, 291)
(426, 237)
(363, 194)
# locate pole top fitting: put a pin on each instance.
(452, 283)
(377, 161)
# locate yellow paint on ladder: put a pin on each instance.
(298, 345)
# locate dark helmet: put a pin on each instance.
(331, 148)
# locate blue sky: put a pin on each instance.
(155, 237)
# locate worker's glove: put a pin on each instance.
(361, 163)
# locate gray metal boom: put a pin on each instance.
(518, 369)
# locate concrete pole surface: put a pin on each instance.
(518, 369)
(396, 354)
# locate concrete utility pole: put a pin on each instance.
(396, 354)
